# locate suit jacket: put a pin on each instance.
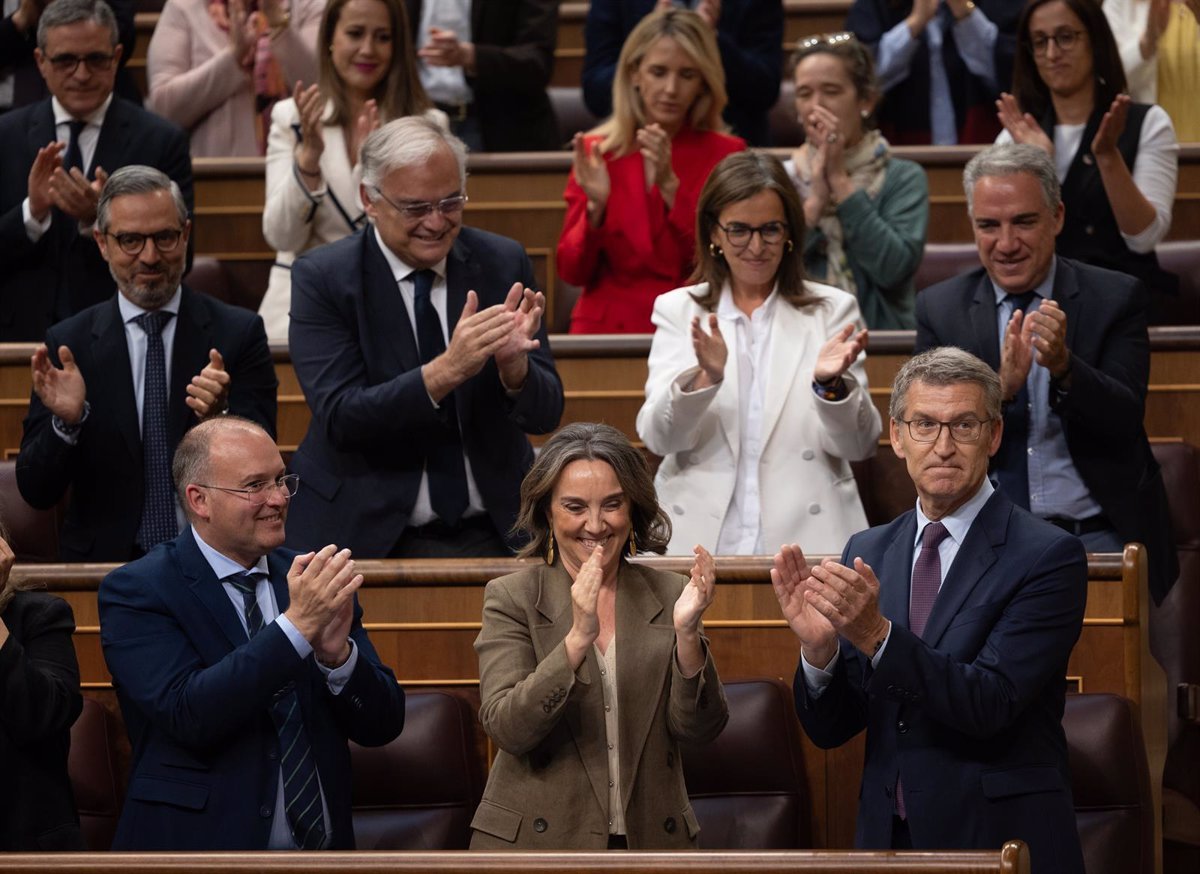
(514, 59)
(805, 440)
(1104, 410)
(551, 767)
(39, 701)
(63, 272)
(104, 469)
(357, 361)
(195, 693)
(969, 717)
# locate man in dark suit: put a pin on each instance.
(487, 68)
(100, 421)
(56, 154)
(420, 349)
(1071, 346)
(955, 622)
(242, 669)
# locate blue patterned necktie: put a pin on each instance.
(301, 788)
(1012, 460)
(159, 521)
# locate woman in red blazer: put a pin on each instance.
(629, 233)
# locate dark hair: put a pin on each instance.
(64, 12)
(1029, 89)
(739, 177)
(13, 583)
(399, 93)
(859, 66)
(588, 441)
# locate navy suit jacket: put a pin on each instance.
(1104, 410)
(104, 469)
(353, 348)
(63, 272)
(970, 715)
(195, 693)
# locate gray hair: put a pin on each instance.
(945, 365)
(1009, 159)
(406, 142)
(136, 179)
(63, 12)
(193, 456)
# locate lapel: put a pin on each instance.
(726, 402)
(784, 367)
(277, 568)
(983, 320)
(895, 571)
(1066, 294)
(463, 273)
(115, 133)
(208, 589)
(112, 390)
(189, 355)
(41, 127)
(976, 555)
(395, 348)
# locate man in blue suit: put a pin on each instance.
(945, 634)
(242, 668)
(420, 348)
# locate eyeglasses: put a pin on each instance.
(132, 244)
(930, 430)
(415, 210)
(67, 64)
(260, 493)
(825, 39)
(740, 235)
(1064, 40)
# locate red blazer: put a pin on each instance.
(642, 249)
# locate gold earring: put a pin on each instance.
(790, 245)
(632, 544)
(550, 551)
(715, 250)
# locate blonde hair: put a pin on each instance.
(694, 37)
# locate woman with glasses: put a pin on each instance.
(631, 195)
(866, 211)
(757, 396)
(1117, 160)
(368, 76)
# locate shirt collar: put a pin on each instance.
(400, 268)
(1044, 289)
(222, 565)
(130, 310)
(727, 309)
(62, 116)
(959, 522)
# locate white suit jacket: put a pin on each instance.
(807, 490)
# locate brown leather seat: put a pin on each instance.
(570, 110)
(94, 769)
(420, 791)
(748, 786)
(945, 261)
(34, 533)
(1110, 781)
(1181, 257)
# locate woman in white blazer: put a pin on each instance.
(368, 76)
(757, 396)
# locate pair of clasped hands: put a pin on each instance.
(321, 587)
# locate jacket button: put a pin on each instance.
(1089, 230)
(887, 790)
(670, 760)
(807, 455)
(265, 812)
(891, 689)
(547, 708)
(539, 825)
(814, 509)
(902, 727)
(669, 825)
(677, 510)
(272, 754)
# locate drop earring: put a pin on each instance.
(632, 544)
(715, 250)
(550, 551)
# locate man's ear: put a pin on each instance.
(894, 436)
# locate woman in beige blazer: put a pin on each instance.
(593, 669)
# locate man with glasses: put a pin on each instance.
(945, 634)
(420, 348)
(1070, 344)
(57, 153)
(116, 387)
(242, 668)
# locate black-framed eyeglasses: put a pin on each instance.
(930, 430)
(260, 492)
(825, 39)
(97, 62)
(132, 244)
(1065, 40)
(740, 235)
(415, 210)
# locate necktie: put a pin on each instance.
(74, 151)
(301, 788)
(444, 454)
(926, 581)
(1012, 462)
(159, 522)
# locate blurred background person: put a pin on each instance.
(749, 35)
(631, 195)
(757, 395)
(1159, 42)
(562, 643)
(217, 68)
(368, 76)
(1117, 160)
(866, 212)
(941, 64)
(39, 701)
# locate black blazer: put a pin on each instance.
(39, 701)
(63, 272)
(104, 468)
(1103, 413)
(357, 361)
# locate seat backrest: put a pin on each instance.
(34, 533)
(1181, 257)
(884, 486)
(748, 786)
(784, 127)
(420, 791)
(1110, 781)
(945, 261)
(94, 769)
(570, 110)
